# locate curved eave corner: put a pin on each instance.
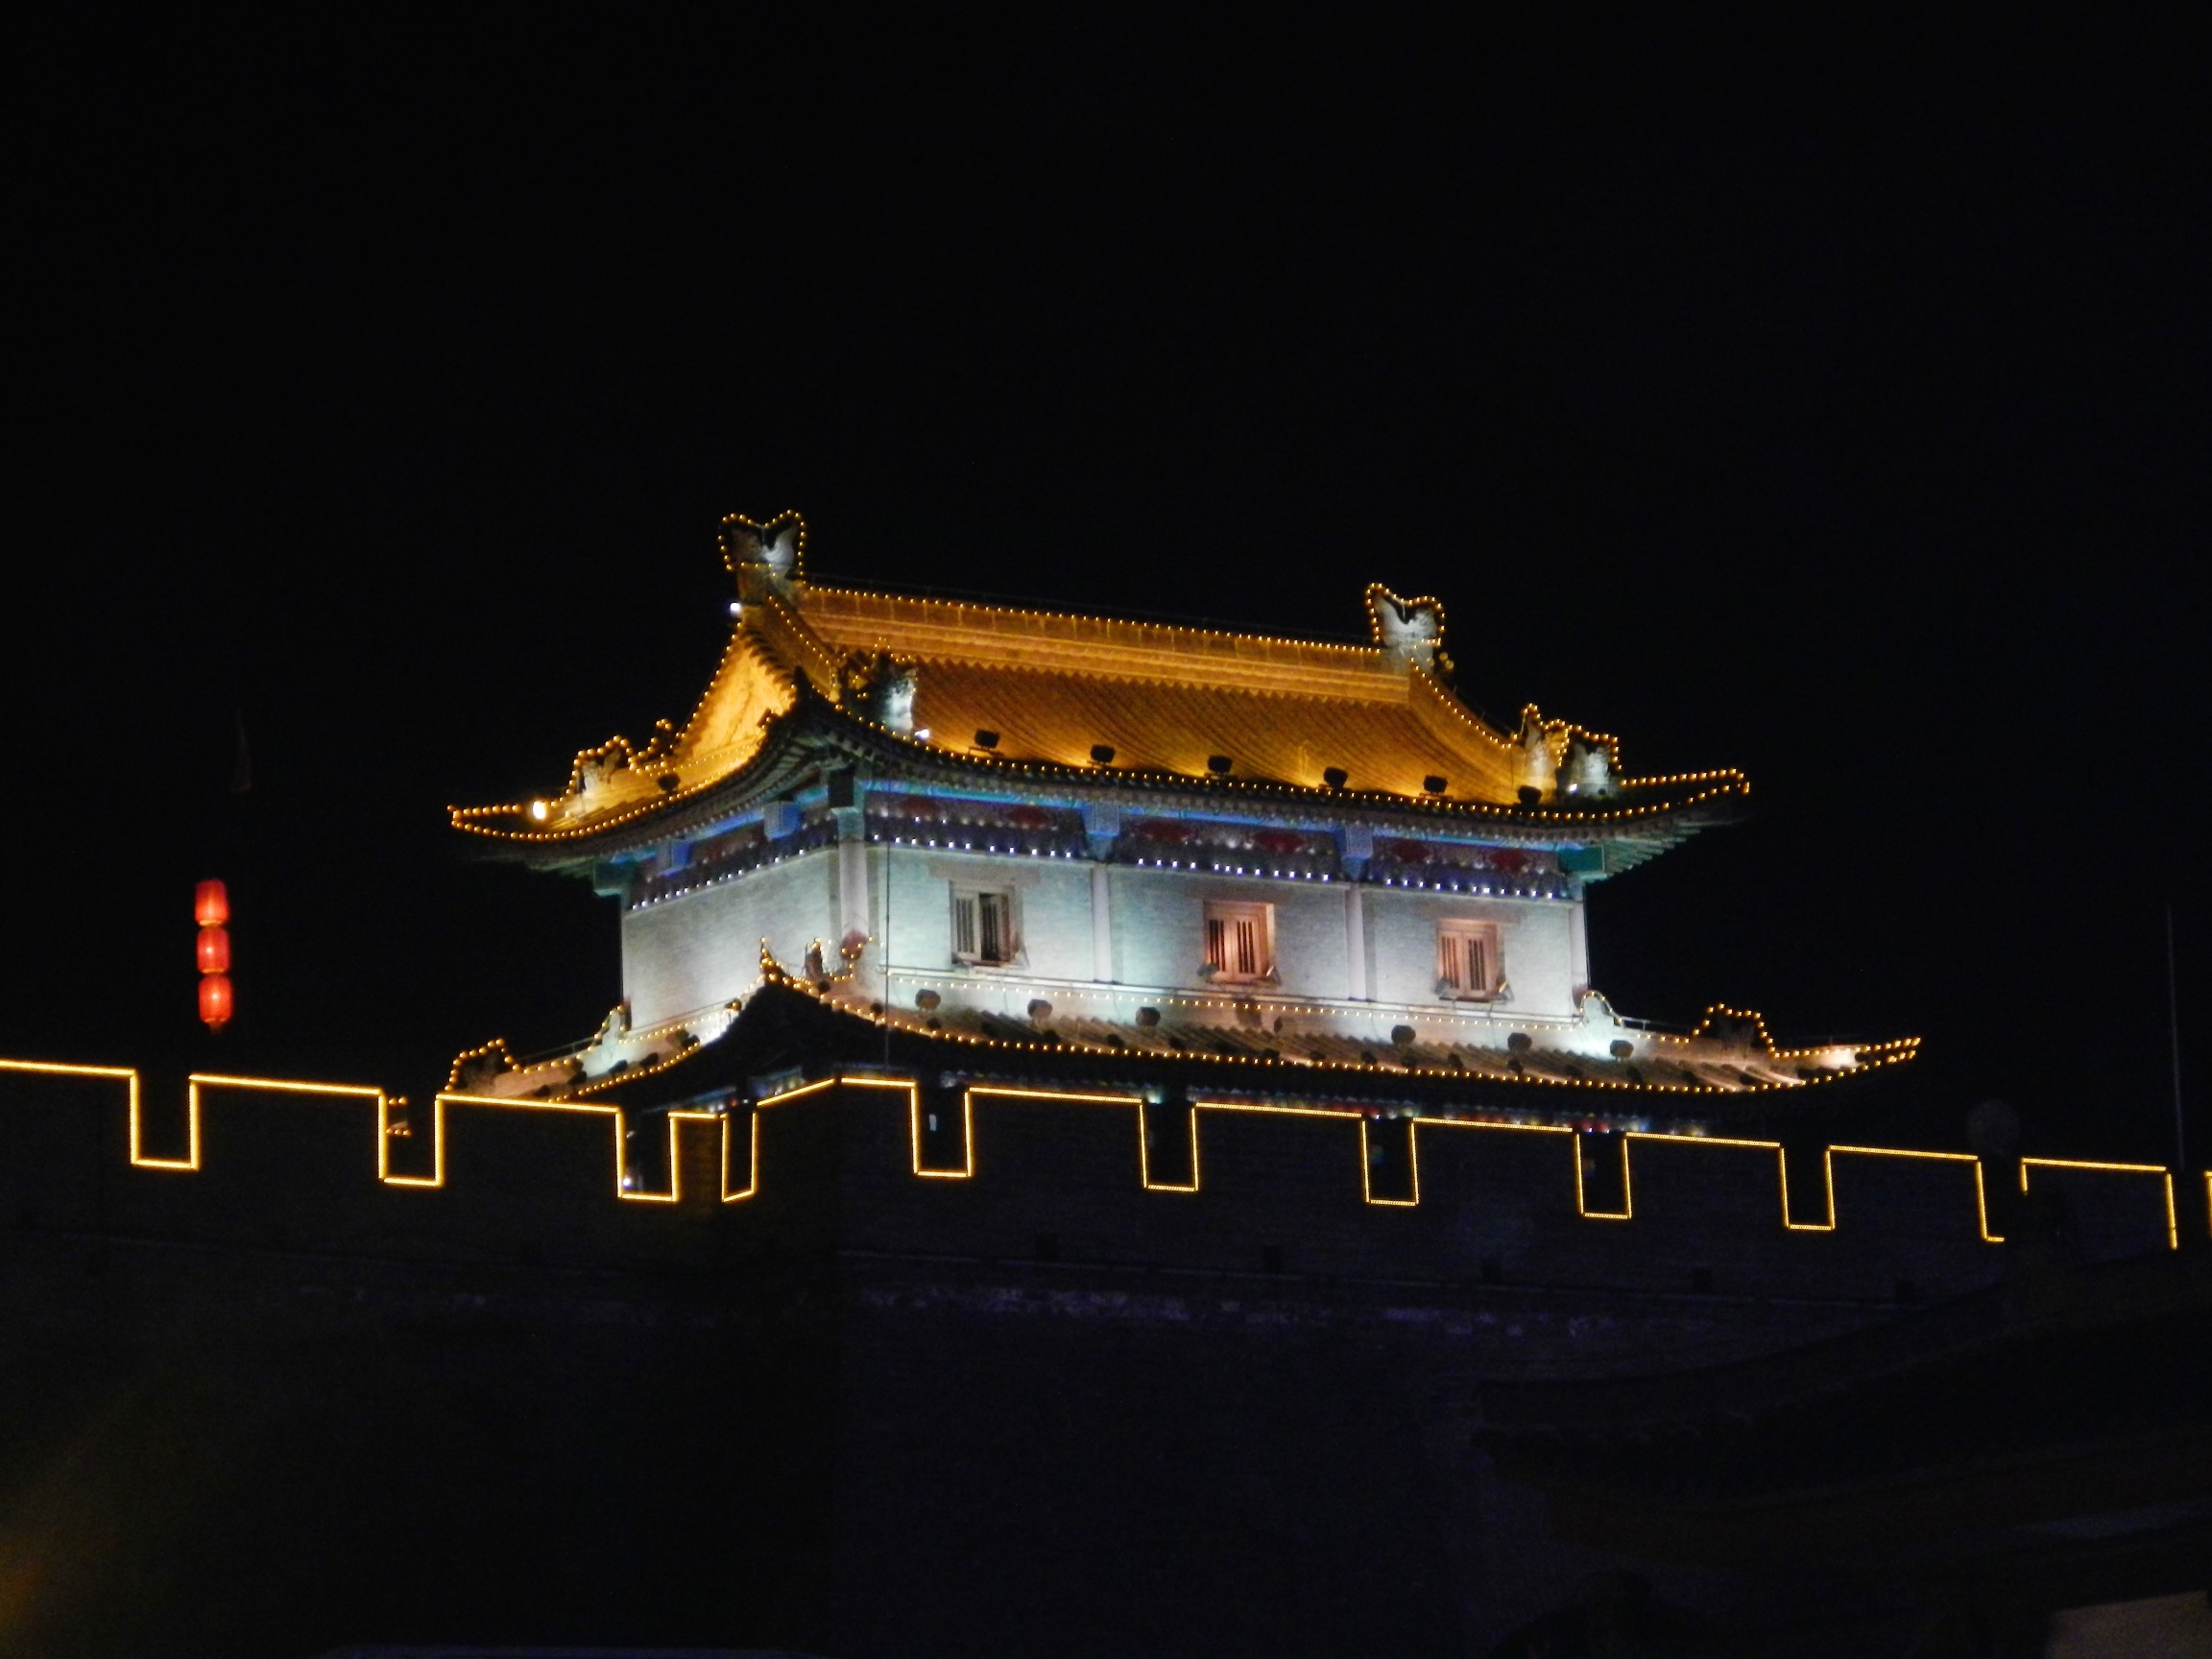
(1641, 828)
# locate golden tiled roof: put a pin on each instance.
(1054, 686)
(1290, 738)
(1060, 690)
(998, 636)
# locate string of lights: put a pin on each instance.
(386, 1126)
(1869, 1056)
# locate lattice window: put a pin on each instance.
(1468, 965)
(1240, 940)
(983, 925)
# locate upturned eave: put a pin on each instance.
(816, 737)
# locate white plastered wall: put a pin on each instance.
(1160, 929)
(703, 948)
(1051, 899)
(1536, 938)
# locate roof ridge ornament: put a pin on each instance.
(1410, 632)
(880, 684)
(765, 556)
(1539, 761)
(1588, 771)
(1560, 760)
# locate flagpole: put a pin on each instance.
(2174, 1033)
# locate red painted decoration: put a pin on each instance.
(214, 951)
(215, 1001)
(210, 905)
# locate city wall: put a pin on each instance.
(821, 1377)
(998, 1171)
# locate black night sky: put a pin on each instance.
(1829, 404)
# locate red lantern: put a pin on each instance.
(211, 910)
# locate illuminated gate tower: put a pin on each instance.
(1017, 842)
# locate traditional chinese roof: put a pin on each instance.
(1729, 1064)
(1041, 700)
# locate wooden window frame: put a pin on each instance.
(978, 893)
(1228, 912)
(1453, 971)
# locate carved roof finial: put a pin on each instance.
(1409, 631)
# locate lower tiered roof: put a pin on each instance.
(1593, 1066)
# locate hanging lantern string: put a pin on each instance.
(211, 910)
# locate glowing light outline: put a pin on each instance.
(386, 1130)
(2165, 1175)
(199, 1080)
(1145, 1149)
(1627, 1209)
(1981, 1190)
(437, 1175)
(1012, 1091)
(913, 1088)
(1870, 1055)
(1367, 1166)
(1629, 1191)
(616, 1116)
(1337, 1112)
(130, 1075)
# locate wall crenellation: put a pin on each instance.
(1008, 1172)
